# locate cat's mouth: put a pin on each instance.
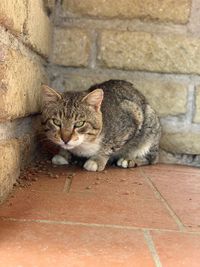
(72, 144)
(67, 146)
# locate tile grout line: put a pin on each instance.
(167, 206)
(115, 226)
(67, 185)
(152, 248)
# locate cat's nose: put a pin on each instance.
(65, 138)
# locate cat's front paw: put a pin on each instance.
(91, 165)
(122, 163)
(126, 163)
(59, 160)
(97, 163)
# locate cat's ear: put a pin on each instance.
(94, 99)
(49, 95)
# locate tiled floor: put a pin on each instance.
(141, 217)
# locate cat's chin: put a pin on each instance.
(67, 147)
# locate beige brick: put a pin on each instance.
(71, 47)
(13, 14)
(183, 143)
(166, 97)
(150, 52)
(38, 28)
(168, 10)
(9, 166)
(20, 82)
(197, 106)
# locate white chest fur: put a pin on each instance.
(87, 149)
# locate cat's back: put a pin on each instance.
(123, 107)
(119, 90)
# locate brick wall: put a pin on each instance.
(154, 44)
(25, 44)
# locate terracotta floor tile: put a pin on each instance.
(113, 181)
(55, 178)
(168, 168)
(114, 197)
(46, 183)
(142, 210)
(41, 245)
(182, 192)
(177, 249)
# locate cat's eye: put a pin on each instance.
(79, 124)
(56, 122)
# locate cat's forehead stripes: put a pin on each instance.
(71, 102)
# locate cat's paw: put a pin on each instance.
(125, 163)
(131, 163)
(91, 165)
(59, 160)
(122, 163)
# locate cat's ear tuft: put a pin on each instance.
(49, 95)
(94, 99)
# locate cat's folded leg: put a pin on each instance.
(131, 163)
(132, 160)
(96, 163)
(62, 158)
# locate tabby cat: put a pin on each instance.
(110, 121)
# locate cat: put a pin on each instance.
(109, 121)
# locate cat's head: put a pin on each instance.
(71, 118)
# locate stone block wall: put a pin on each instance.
(154, 44)
(25, 46)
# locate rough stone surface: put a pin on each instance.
(197, 106)
(183, 159)
(9, 166)
(168, 10)
(38, 28)
(27, 145)
(182, 143)
(17, 128)
(71, 47)
(150, 52)
(15, 154)
(50, 4)
(20, 80)
(13, 14)
(168, 98)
